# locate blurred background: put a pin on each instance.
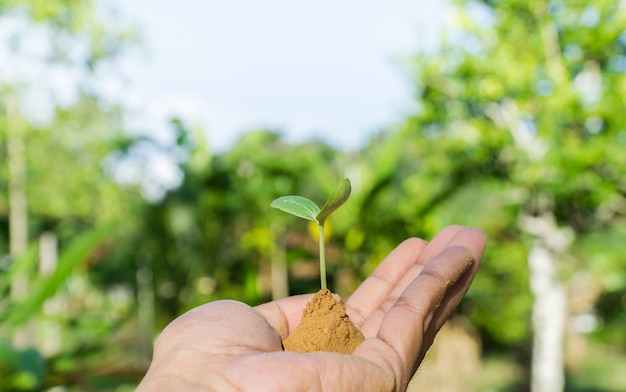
(141, 146)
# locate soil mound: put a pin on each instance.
(325, 326)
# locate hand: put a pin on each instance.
(227, 345)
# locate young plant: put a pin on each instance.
(307, 209)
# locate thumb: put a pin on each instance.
(220, 326)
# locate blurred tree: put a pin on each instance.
(60, 136)
(519, 131)
(66, 121)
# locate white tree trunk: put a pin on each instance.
(548, 321)
(549, 313)
(49, 330)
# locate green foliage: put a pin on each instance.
(77, 18)
(45, 286)
(65, 186)
(518, 114)
(21, 370)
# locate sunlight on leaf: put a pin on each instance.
(298, 206)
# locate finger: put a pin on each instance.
(284, 314)
(474, 241)
(439, 242)
(402, 329)
(376, 288)
(470, 238)
(370, 326)
(450, 236)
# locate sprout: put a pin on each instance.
(307, 209)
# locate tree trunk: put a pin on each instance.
(18, 212)
(548, 321)
(549, 312)
(280, 278)
(49, 330)
(18, 215)
(146, 314)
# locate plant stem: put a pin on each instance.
(322, 256)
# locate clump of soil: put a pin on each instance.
(325, 326)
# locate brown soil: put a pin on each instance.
(325, 326)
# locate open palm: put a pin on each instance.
(227, 345)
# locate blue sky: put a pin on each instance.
(323, 69)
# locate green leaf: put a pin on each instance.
(45, 287)
(298, 206)
(336, 200)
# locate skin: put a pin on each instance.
(230, 346)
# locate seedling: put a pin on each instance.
(307, 209)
